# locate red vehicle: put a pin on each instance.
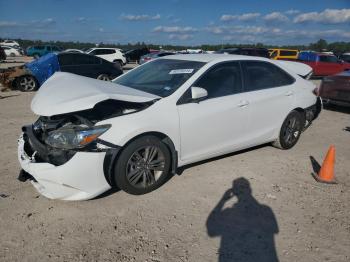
(323, 64)
(336, 89)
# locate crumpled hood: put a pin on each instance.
(66, 93)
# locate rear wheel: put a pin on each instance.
(103, 77)
(12, 54)
(143, 166)
(119, 62)
(26, 83)
(290, 131)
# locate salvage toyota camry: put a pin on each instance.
(134, 132)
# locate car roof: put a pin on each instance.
(213, 57)
(114, 48)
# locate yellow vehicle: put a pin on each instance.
(280, 54)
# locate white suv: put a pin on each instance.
(9, 43)
(110, 54)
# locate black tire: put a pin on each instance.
(120, 63)
(27, 83)
(103, 77)
(290, 131)
(125, 171)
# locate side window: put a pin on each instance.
(66, 59)
(263, 75)
(81, 59)
(222, 80)
(328, 59)
(104, 51)
(288, 53)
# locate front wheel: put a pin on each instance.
(27, 83)
(290, 131)
(143, 166)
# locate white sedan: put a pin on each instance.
(135, 131)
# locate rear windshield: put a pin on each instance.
(160, 77)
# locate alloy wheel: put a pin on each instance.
(291, 131)
(103, 77)
(145, 166)
(27, 83)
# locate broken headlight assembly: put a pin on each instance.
(74, 136)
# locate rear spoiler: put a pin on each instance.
(301, 69)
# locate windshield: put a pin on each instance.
(160, 77)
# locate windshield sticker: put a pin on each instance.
(180, 71)
(167, 88)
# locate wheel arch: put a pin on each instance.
(113, 154)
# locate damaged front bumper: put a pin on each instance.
(80, 178)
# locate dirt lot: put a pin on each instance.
(286, 213)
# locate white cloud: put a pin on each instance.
(239, 29)
(174, 29)
(180, 36)
(8, 24)
(243, 17)
(276, 17)
(328, 16)
(140, 17)
(292, 12)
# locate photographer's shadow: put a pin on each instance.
(247, 229)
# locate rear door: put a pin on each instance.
(269, 91)
(80, 64)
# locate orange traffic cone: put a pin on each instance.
(326, 174)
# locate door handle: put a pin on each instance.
(243, 103)
(289, 93)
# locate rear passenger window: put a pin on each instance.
(263, 75)
(222, 80)
(82, 59)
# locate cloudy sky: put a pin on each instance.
(177, 21)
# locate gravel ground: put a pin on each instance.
(196, 216)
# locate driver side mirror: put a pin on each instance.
(198, 94)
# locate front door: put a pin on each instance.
(217, 124)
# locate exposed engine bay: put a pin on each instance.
(36, 136)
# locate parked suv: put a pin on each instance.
(40, 50)
(9, 43)
(110, 54)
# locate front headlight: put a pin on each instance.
(74, 137)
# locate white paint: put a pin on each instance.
(199, 131)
